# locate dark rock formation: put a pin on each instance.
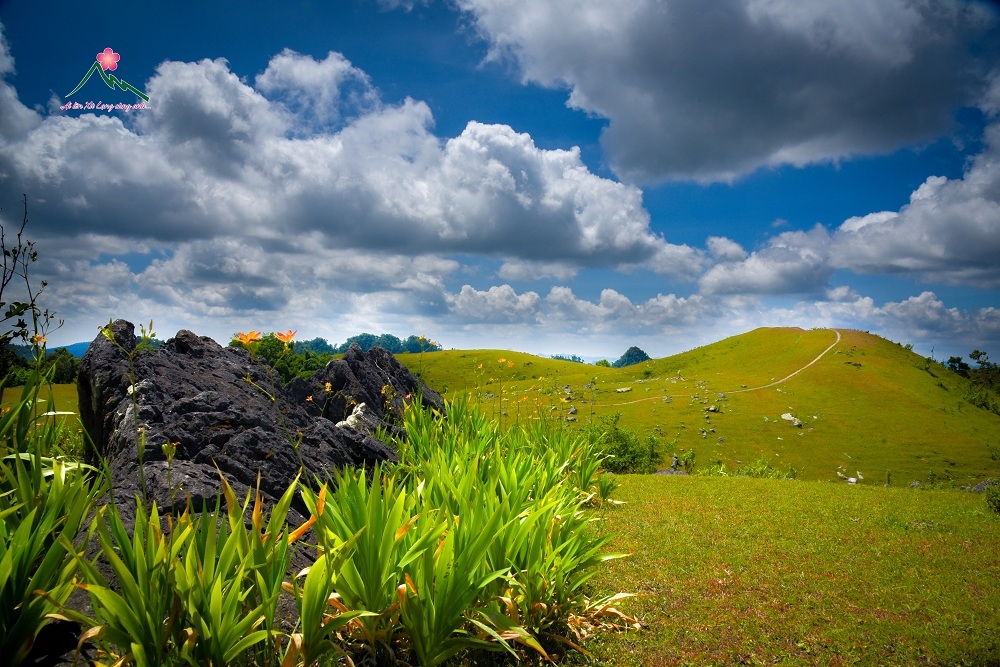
(222, 408)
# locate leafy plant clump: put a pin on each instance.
(993, 497)
(759, 469)
(625, 452)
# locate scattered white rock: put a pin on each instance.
(622, 390)
(355, 419)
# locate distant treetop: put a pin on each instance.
(413, 344)
(563, 357)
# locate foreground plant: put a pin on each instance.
(43, 505)
(478, 540)
(203, 591)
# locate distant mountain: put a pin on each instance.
(77, 349)
(632, 356)
(27, 352)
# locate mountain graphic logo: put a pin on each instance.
(108, 60)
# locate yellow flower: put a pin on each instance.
(501, 360)
(286, 337)
(510, 364)
(328, 388)
(247, 338)
(479, 367)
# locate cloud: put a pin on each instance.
(318, 94)
(949, 232)
(527, 270)
(214, 157)
(724, 249)
(304, 190)
(713, 94)
(497, 304)
(15, 119)
(791, 263)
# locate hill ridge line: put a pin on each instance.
(742, 391)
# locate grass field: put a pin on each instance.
(868, 405)
(746, 571)
(758, 571)
(63, 395)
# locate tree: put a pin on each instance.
(572, 357)
(67, 366)
(18, 256)
(959, 366)
(603, 363)
(316, 345)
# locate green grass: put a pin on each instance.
(744, 571)
(761, 571)
(867, 406)
(64, 396)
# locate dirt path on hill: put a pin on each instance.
(741, 391)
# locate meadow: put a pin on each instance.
(868, 406)
(718, 570)
(761, 571)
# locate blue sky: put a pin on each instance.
(565, 177)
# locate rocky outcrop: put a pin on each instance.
(220, 408)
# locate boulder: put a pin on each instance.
(222, 409)
(982, 486)
(795, 421)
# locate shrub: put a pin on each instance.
(761, 469)
(993, 497)
(625, 451)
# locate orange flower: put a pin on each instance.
(247, 338)
(38, 340)
(501, 360)
(510, 364)
(309, 398)
(286, 337)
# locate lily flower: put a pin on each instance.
(286, 337)
(247, 338)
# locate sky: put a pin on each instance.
(549, 176)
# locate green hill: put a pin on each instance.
(867, 405)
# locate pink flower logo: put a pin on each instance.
(108, 59)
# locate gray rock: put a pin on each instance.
(982, 486)
(223, 409)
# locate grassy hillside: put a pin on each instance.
(867, 405)
(748, 571)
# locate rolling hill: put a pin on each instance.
(866, 407)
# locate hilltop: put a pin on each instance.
(867, 405)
